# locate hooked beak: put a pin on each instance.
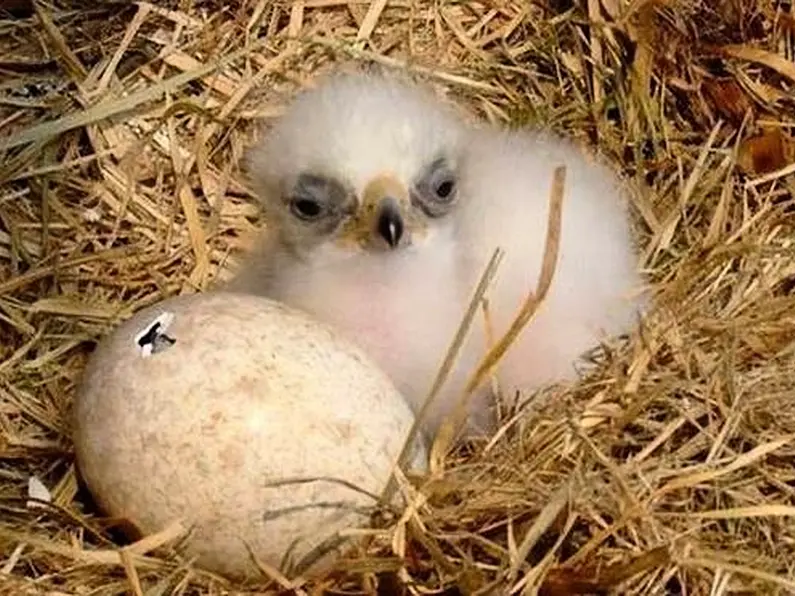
(384, 196)
(389, 222)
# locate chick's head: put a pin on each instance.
(359, 165)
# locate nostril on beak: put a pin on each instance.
(390, 222)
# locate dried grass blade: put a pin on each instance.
(743, 570)
(447, 364)
(140, 16)
(742, 461)
(113, 107)
(741, 512)
(67, 57)
(777, 62)
(131, 572)
(534, 300)
(36, 274)
(541, 524)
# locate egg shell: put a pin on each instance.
(241, 422)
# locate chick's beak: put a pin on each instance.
(386, 199)
(389, 222)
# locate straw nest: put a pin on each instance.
(669, 469)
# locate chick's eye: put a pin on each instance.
(444, 188)
(306, 209)
(436, 191)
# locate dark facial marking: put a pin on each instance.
(318, 200)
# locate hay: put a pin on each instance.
(668, 469)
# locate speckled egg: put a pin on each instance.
(248, 420)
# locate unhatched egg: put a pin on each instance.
(248, 420)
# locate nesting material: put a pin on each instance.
(668, 469)
(247, 420)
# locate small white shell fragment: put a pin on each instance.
(238, 426)
(37, 490)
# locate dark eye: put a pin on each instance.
(444, 188)
(306, 209)
(318, 199)
(436, 190)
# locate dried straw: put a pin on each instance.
(667, 469)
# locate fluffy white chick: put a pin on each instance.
(383, 207)
(506, 180)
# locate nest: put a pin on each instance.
(668, 469)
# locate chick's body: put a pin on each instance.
(507, 182)
(384, 207)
